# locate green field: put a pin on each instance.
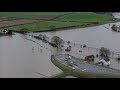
(19, 15)
(67, 19)
(86, 17)
(60, 75)
(44, 26)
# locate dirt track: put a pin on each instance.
(16, 22)
(44, 17)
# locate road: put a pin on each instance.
(85, 67)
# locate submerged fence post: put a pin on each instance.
(112, 54)
(88, 48)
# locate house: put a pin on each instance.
(5, 32)
(68, 49)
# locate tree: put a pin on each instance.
(68, 42)
(104, 52)
(57, 40)
(114, 27)
(10, 32)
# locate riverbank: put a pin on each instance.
(68, 21)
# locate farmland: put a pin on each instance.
(58, 20)
(26, 15)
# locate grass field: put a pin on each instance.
(44, 26)
(85, 17)
(67, 19)
(19, 15)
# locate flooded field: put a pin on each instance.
(96, 37)
(25, 59)
(22, 58)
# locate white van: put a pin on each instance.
(103, 62)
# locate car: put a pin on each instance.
(103, 62)
(69, 57)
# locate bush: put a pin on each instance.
(10, 32)
(95, 22)
(24, 30)
(52, 27)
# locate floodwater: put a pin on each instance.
(21, 58)
(116, 15)
(30, 58)
(96, 37)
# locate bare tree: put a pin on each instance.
(57, 41)
(114, 27)
(104, 52)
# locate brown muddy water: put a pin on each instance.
(22, 58)
(96, 37)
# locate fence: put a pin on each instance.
(88, 50)
(113, 54)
